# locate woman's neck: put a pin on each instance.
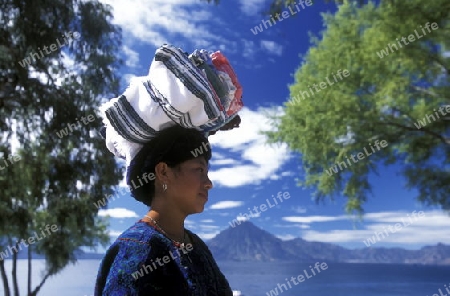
(169, 222)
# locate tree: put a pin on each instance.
(57, 60)
(393, 86)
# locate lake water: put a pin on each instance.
(339, 279)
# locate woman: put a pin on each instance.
(159, 126)
(157, 255)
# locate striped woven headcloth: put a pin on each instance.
(179, 89)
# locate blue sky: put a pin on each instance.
(244, 169)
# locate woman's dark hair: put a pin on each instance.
(173, 146)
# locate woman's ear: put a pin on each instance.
(162, 172)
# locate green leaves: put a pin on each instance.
(58, 178)
(381, 99)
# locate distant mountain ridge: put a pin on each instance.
(246, 242)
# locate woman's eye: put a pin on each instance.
(202, 170)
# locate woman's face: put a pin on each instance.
(190, 185)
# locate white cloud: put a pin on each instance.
(190, 224)
(207, 227)
(186, 23)
(115, 233)
(226, 204)
(128, 77)
(117, 213)
(252, 7)
(159, 22)
(247, 217)
(131, 57)
(313, 219)
(207, 236)
(241, 218)
(219, 162)
(416, 218)
(299, 209)
(255, 215)
(257, 160)
(249, 49)
(288, 174)
(286, 237)
(391, 227)
(207, 221)
(301, 226)
(395, 216)
(272, 47)
(336, 236)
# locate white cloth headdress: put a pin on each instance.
(198, 91)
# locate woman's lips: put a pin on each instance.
(205, 196)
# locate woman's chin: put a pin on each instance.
(199, 209)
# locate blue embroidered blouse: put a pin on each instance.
(142, 261)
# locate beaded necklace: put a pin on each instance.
(176, 243)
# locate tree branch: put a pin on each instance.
(38, 288)
(423, 90)
(423, 129)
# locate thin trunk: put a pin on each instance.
(29, 270)
(14, 272)
(38, 288)
(4, 278)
